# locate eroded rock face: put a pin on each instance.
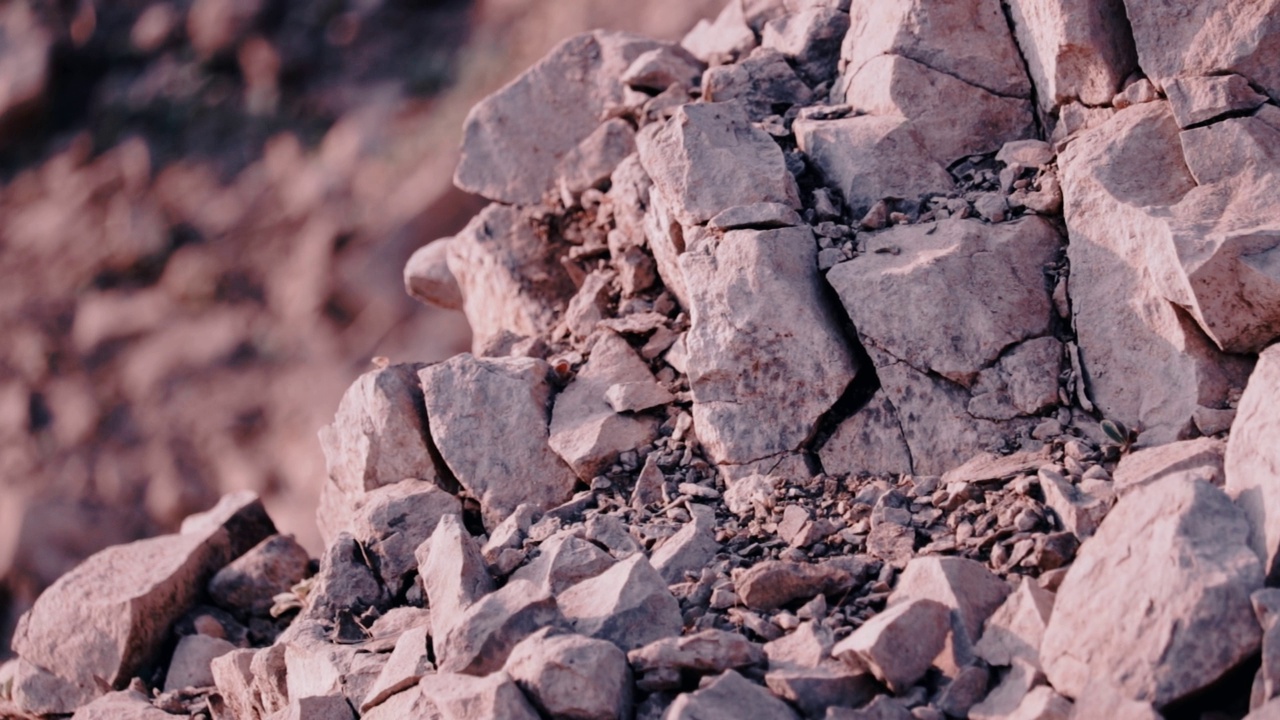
(1126, 613)
(1074, 51)
(1253, 459)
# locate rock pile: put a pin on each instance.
(847, 360)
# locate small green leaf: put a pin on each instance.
(1116, 431)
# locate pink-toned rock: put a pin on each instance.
(628, 604)
(215, 27)
(869, 441)
(724, 39)
(759, 83)
(970, 590)
(590, 163)
(453, 573)
(729, 696)
(899, 644)
(810, 38)
(406, 666)
(691, 549)
(395, 519)
(1253, 460)
(478, 404)
(705, 652)
(427, 276)
(1074, 51)
(190, 665)
(830, 683)
(564, 561)
(1200, 99)
(249, 583)
(572, 677)
(662, 67)
(1127, 614)
(1016, 628)
(514, 138)
(463, 697)
(773, 583)
(482, 638)
(326, 707)
(1201, 458)
(1079, 510)
(121, 705)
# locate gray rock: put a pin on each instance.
(453, 574)
(1008, 695)
(190, 665)
(514, 138)
(691, 549)
(572, 677)
(1072, 50)
(964, 691)
(394, 520)
(507, 405)
(882, 707)
(763, 82)
(249, 583)
(729, 697)
(327, 707)
(565, 561)
(406, 666)
(899, 644)
(463, 697)
(810, 38)
(1016, 628)
(869, 158)
(1126, 613)
(1253, 460)
(483, 637)
(708, 158)
(773, 583)
(591, 162)
(345, 583)
(428, 279)
(766, 281)
(628, 604)
(585, 430)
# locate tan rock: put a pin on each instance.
(428, 279)
(573, 677)
(628, 604)
(1125, 613)
(1253, 460)
(729, 696)
(899, 644)
(1073, 51)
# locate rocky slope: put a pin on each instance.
(845, 360)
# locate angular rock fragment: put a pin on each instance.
(190, 665)
(565, 561)
(463, 697)
(1024, 381)
(1126, 613)
(1200, 99)
(970, 590)
(773, 583)
(708, 158)
(592, 161)
(689, 550)
(794, 353)
(761, 216)
(870, 441)
(729, 696)
(707, 652)
(1074, 51)
(764, 83)
(1008, 695)
(427, 276)
(869, 159)
(831, 683)
(406, 666)
(233, 676)
(899, 644)
(1201, 458)
(573, 677)
(453, 573)
(505, 403)
(811, 39)
(345, 584)
(249, 583)
(1253, 460)
(585, 430)
(662, 67)
(480, 641)
(514, 138)
(395, 519)
(1016, 629)
(327, 707)
(121, 705)
(628, 604)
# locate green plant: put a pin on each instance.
(1123, 436)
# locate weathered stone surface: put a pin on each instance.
(660, 68)
(395, 519)
(110, 616)
(1024, 381)
(515, 137)
(810, 38)
(729, 696)
(969, 589)
(1207, 39)
(629, 605)
(428, 279)
(315, 667)
(565, 561)
(1253, 460)
(763, 82)
(869, 441)
(728, 37)
(190, 665)
(794, 354)
(512, 282)
(463, 697)
(808, 646)
(1074, 51)
(814, 689)
(1199, 99)
(1040, 703)
(1078, 510)
(572, 677)
(325, 707)
(345, 583)
(483, 637)
(453, 573)
(1017, 626)
(1126, 613)
(478, 404)
(406, 666)
(1004, 699)
(1266, 608)
(708, 158)
(869, 158)
(585, 430)
(592, 161)
(233, 676)
(761, 216)
(882, 707)
(269, 671)
(691, 549)
(773, 583)
(121, 705)
(250, 582)
(706, 652)
(1146, 362)
(942, 36)
(964, 691)
(899, 644)
(953, 118)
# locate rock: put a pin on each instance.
(190, 665)
(964, 691)
(1146, 363)
(690, 550)
(727, 697)
(941, 37)
(708, 158)
(773, 583)
(1201, 458)
(572, 677)
(1039, 703)
(808, 646)
(585, 430)
(394, 520)
(590, 163)
(1004, 700)
(249, 583)
(763, 82)
(269, 670)
(662, 67)
(1266, 608)
(406, 666)
(514, 139)
(1135, 93)
(869, 441)
(1016, 628)
(327, 707)
(1206, 40)
(899, 644)
(708, 652)
(453, 573)
(1102, 699)
(637, 396)
(810, 38)
(727, 38)
(990, 272)
(345, 584)
(1073, 51)
(813, 690)
(316, 667)
(565, 561)
(215, 27)
(882, 707)
(107, 620)
(1078, 511)
(480, 641)
(1200, 99)
(1125, 612)
(869, 158)
(1253, 460)
(25, 66)
(507, 405)
(233, 677)
(121, 705)
(511, 279)
(628, 604)
(734, 375)
(1024, 381)
(953, 118)
(428, 279)
(761, 216)
(971, 591)
(463, 697)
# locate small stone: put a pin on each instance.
(628, 604)
(483, 637)
(570, 676)
(428, 279)
(774, 583)
(249, 583)
(729, 696)
(189, 667)
(406, 666)
(689, 550)
(899, 644)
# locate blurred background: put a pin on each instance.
(205, 208)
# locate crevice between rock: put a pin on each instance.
(1026, 70)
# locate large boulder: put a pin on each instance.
(1253, 459)
(1074, 50)
(1159, 629)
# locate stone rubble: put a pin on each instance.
(847, 360)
